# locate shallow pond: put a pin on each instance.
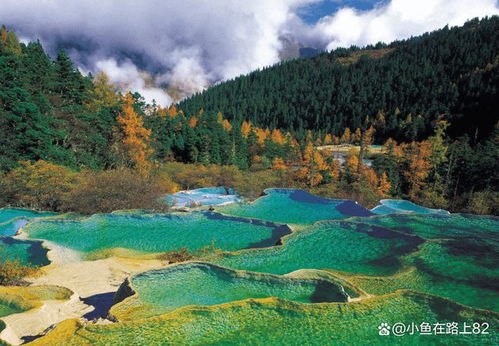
(150, 233)
(195, 283)
(295, 206)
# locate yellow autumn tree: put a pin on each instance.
(328, 139)
(346, 138)
(318, 161)
(308, 153)
(418, 156)
(245, 128)
(384, 185)
(335, 169)
(261, 135)
(278, 165)
(9, 41)
(357, 136)
(370, 178)
(227, 125)
(103, 94)
(134, 137)
(170, 112)
(220, 117)
(302, 174)
(366, 139)
(313, 164)
(193, 121)
(277, 137)
(224, 122)
(351, 167)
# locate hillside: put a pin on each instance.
(399, 88)
(56, 123)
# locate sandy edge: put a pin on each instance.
(84, 278)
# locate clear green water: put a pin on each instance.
(335, 245)
(10, 228)
(195, 283)
(399, 206)
(295, 206)
(451, 256)
(479, 292)
(12, 219)
(461, 247)
(151, 233)
(281, 322)
(27, 252)
(458, 261)
(458, 226)
(10, 213)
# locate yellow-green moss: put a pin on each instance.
(281, 322)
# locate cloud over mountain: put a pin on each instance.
(190, 44)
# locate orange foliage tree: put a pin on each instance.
(278, 165)
(193, 121)
(328, 139)
(346, 136)
(384, 185)
(418, 166)
(277, 137)
(135, 137)
(245, 128)
(261, 135)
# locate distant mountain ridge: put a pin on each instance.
(293, 50)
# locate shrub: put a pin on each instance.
(106, 191)
(39, 185)
(183, 254)
(175, 256)
(13, 271)
(484, 203)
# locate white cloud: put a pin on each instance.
(126, 77)
(190, 44)
(398, 19)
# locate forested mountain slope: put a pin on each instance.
(399, 88)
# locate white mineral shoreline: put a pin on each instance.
(84, 278)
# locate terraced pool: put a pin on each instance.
(402, 261)
(195, 283)
(12, 219)
(295, 206)
(151, 233)
(335, 245)
(458, 260)
(282, 322)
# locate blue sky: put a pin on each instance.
(313, 12)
